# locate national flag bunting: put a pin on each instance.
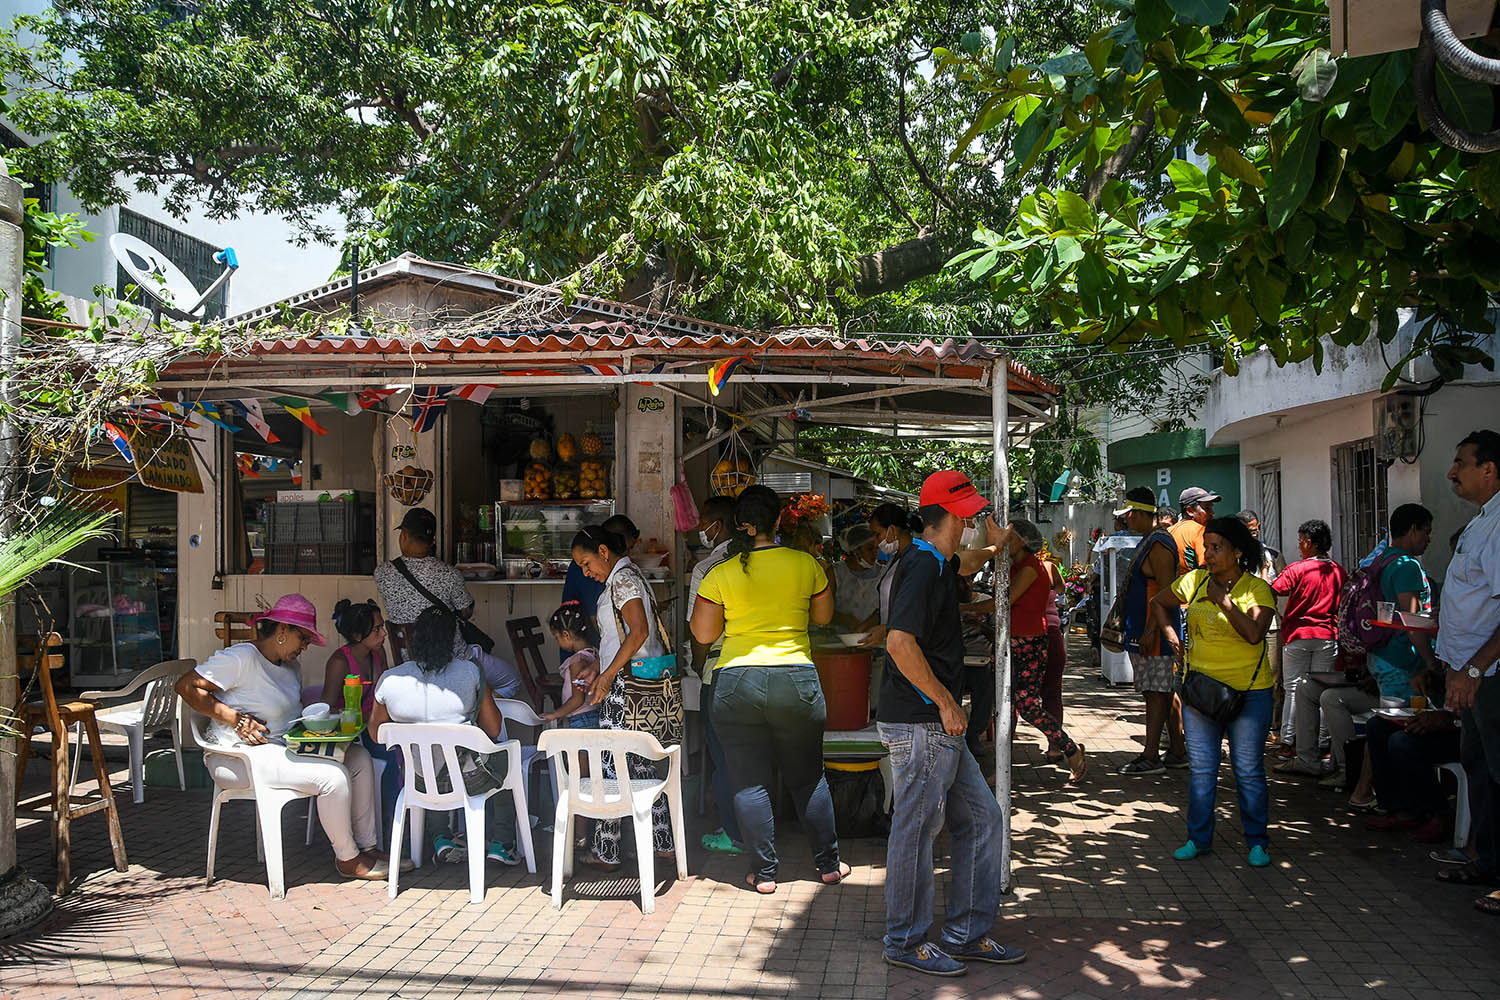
(348, 402)
(601, 369)
(369, 397)
(720, 372)
(211, 412)
(473, 393)
(117, 439)
(302, 410)
(427, 407)
(256, 418)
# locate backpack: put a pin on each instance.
(1358, 633)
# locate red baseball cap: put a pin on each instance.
(952, 491)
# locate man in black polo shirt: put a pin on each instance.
(922, 727)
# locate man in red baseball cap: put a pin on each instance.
(935, 777)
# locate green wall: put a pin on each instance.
(1172, 461)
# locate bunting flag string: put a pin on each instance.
(302, 410)
(601, 369)
(370, 397)
(473, 393)
(427, 405)
(256, 418)
(211, 413)
(720, 372)
(347, 402)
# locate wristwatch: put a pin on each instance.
(1473, 671)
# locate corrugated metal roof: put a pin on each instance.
(600, 341)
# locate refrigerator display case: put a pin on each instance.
(1112, 557)
(534, 539)
(115, 622)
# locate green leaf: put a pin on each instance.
(971, 42)
(1075, 212)
(1466, 103)
(1005, 54)
(1316, 74)
(1225, 115)
(1485, 176)
(1069, 250)
(1182, 88)
(1297, 240)
(1267, 294)
(1232, 162)
(1093, 280)
(1152, 19)
(1241, 318)
(1169, 315)
(1293, 176)
(1067, 64)
(983, 265)
(1394, 74)
(1203, 13)
(1187, 177)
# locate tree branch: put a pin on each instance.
(911, 154)
(564, 151)
(1113, 167)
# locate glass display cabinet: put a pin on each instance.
(116, 623)
(534, 539)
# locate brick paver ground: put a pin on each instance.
(1099, 902)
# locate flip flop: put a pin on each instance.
(1489, 904)
(763, 886)
(835, 876)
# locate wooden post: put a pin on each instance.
(999, 387)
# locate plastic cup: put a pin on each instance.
(1385, 611)
(1419, 703)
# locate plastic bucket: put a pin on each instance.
(845, 677)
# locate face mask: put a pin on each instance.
(887, 549)
(707, 539)
(969, 537)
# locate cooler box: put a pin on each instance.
(845, 677)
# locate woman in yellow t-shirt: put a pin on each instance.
(1229, 610)
(768, 707)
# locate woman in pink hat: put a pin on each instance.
(251, 693)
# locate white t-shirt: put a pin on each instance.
(583, 661)
(450, 695)
(624, 585)
(252, 684)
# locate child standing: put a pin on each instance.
(575, 635)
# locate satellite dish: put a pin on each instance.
(172, 291)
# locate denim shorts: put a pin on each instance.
(584, 720)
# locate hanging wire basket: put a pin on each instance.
(735, 469)
(409, 485)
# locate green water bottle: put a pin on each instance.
(354, 692)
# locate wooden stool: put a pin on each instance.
(526, 642)
(64, 807)
(234, 627)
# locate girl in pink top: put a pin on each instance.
(363, 653)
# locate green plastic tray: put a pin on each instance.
(299, 734)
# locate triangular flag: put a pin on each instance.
(720, 372)
(601, 369)
(300, 409)
(210, 411)
(473, 393)
(118, 440)
(369, 397)
(256, 418)
(346, 401)
(427, 407)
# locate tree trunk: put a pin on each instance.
(22, 901)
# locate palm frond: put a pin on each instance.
(32, 546)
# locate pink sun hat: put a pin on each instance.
(297, 611)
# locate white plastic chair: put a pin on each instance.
(524, 715)
(1461, 818)
(155, 711)
(613, 798)
(417, 742)
(269, 801)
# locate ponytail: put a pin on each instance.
(755, 514)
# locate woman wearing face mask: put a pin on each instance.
(856, 590)
(1029, 587)
(893, 529)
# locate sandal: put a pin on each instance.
(1368, 805)
(836, 875)
(1489, 904)
(763, 886)
(1469, 874)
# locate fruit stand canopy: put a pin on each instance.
(484, 328)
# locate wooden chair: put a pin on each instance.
(234, 626)
(64, 807)
(526, 643)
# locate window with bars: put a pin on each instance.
(1361, 505)
(192, 255)
(1268, 505)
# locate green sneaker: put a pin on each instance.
(1188, 852)
(504, 853)
(719, 841)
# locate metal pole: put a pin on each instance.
(999, 387)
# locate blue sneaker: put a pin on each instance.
(1259, 857)
(930, 959)
(503, 853)
(988, 950)
(1188, 852)
(450, 851)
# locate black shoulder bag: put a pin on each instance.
(1211, 697)
(473, 634)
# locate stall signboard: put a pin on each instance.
(102, 485)
(165, 463)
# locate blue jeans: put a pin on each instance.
(773, 717)
(937, 778)
(723, 784)
(1247, 757)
